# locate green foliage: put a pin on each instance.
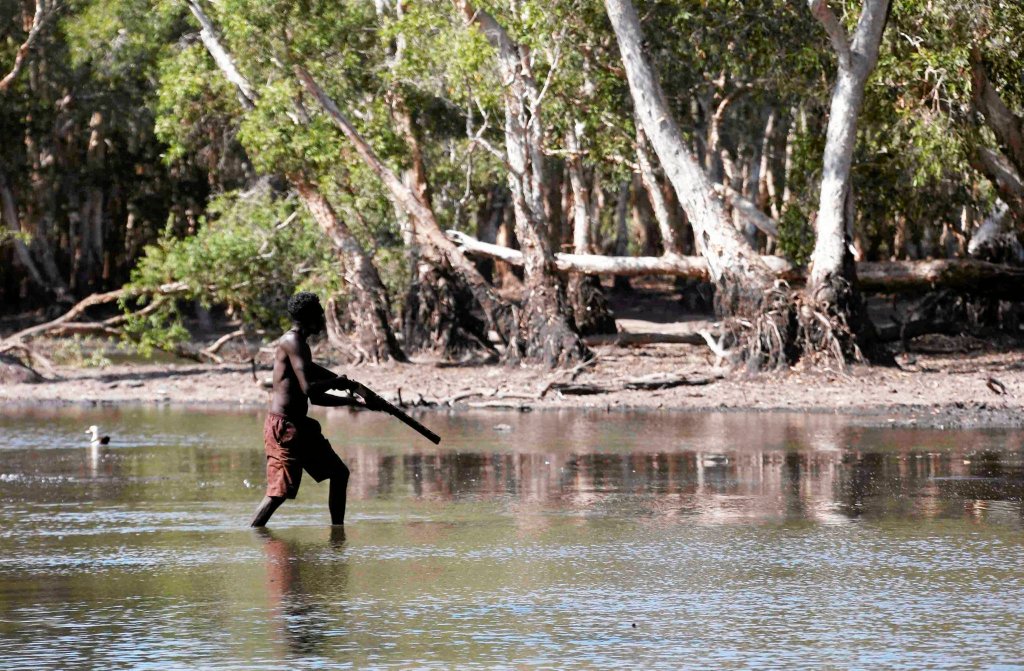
(194, 103)
(174, 132)
(277, 142)
(796, 235)
(250, 254)
(76, 351)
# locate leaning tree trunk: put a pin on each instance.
(669, 238)
(589, 305)
(371, 320)
(368, 309)
(439, 310)
(1005, 169)
(832, 285)
(548, 334)
(9, 214)
(740, 276)
(40, 18)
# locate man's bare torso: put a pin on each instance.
(287, 397)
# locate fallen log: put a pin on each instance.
(81, 306)
(595, 264)
(657, 381)
(653, 382)
(994, 279)
(623, 339)
(83, 329)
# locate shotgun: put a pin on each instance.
(374, 401)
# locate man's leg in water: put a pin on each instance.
(339, 494)
(267, 508)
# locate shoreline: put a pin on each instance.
(944, 390)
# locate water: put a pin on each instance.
(539, 540)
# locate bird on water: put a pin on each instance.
(96, 438)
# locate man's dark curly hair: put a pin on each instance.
(303, 305)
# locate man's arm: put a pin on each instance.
(315, 380)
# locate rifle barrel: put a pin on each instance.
(370, 395)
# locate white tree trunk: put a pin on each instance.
(856, 62)
(39, 21)
(730, 259)
(547, 330)
(580, 194)
(669, 239)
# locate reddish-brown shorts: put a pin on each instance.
(294, 444)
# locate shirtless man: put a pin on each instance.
(292, 440)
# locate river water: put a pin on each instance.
(537, 540)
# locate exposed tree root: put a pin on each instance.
(789, 327)
(546, 335)
(438, 315)
(590, 306)
(825, 334)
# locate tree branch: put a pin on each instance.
(86, 303)
(208, 34)
(1007, 126)
(39, 20)
(748, 210)
(836, 34)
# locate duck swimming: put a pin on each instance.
(96, 438)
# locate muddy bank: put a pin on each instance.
(957, 389)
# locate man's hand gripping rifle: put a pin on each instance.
(373, 401)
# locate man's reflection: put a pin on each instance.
(307, 588)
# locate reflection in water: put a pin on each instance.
(297, 590)
(795, 483)
(742, 541)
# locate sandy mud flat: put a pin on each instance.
(959, 389)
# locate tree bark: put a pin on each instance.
(740, 276)
(1007, 126)
(1004, 169)
(747, 211)
(832, 285)
(659, 205)
(694, 267)
(590, 307)
(884, 277)
(548, 335)
(369, 310)
(622, 233)
(39, 21)
(1007, 179)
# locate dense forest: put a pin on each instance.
(455, 178)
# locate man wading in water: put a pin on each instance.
(292, 440)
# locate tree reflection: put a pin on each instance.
(829, 474)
